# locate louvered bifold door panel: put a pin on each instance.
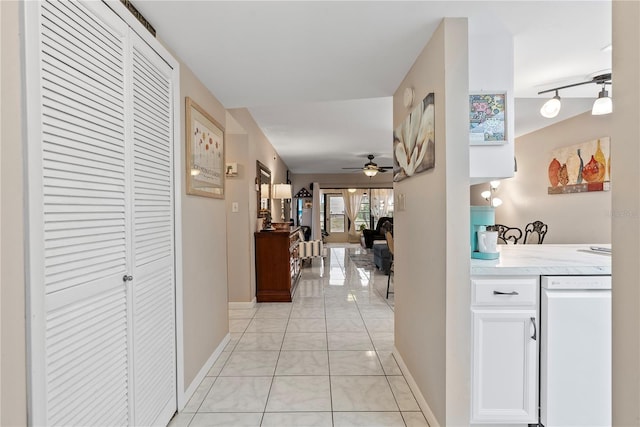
(84, 208)
(154, 336)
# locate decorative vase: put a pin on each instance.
(573, 168)
(554, 167)
(599, 156)
(579, 180)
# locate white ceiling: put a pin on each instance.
(318, 76)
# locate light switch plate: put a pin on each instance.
(234, 207)
(401, 203)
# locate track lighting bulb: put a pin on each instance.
(551, 108)
(602, 105)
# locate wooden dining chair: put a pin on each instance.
(537, 227)
(389, 238)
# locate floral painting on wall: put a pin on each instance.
(487, 119)
(205, 153)
(580, 168)
(414, 141)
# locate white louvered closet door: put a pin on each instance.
(100, 140)
(154, 337)
(84, 213)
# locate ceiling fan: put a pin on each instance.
(371, 168)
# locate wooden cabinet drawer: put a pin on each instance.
(508, 291)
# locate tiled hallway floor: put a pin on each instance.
(323, 360)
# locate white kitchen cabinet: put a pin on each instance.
(504, 351)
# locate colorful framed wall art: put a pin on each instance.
(580, 168)
(204, 153)
(487, 119)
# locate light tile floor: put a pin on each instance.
(323, 360)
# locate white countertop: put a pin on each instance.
(545, 260)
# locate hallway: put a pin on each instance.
(323, 360)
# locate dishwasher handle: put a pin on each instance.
(505, 293)
(535, 330)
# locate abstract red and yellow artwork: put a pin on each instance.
(580, 168)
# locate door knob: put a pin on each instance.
(127, 278)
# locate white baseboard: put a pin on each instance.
(203, 371)
(426, 410)
(242, 305)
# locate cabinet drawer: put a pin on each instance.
(515, 291)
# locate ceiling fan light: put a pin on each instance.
(485, 194)
(370, 171)
(551, 108)
(602, 105)
(496, 202)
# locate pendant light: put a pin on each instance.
(551, 108)
(602, 105)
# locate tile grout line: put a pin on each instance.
(326, 332)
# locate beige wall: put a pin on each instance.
(432, 265)
(13, 398)
(572, 218)
(239, 190)
(625, 134)
(261, 149)
(258, 148)
(204, 251)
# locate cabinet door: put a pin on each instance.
(504, 374)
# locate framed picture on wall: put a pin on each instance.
(414, 141)
(205, 153)
(487, 118)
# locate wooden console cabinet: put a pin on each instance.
(277, 265)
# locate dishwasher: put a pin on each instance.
(575, 351)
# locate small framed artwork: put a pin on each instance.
(205, 153)
(487, 124)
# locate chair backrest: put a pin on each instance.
(381, 221)
(310, 249)
(538, 227)
(508, 234)
(389, 238)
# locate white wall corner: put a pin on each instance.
(187, 393)
(422, 402)
(491, 70)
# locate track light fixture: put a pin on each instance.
(551, 108)
(602, 105)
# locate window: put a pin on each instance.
(336, 214)
(363, 218)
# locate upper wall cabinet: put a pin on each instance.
(491, 71)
